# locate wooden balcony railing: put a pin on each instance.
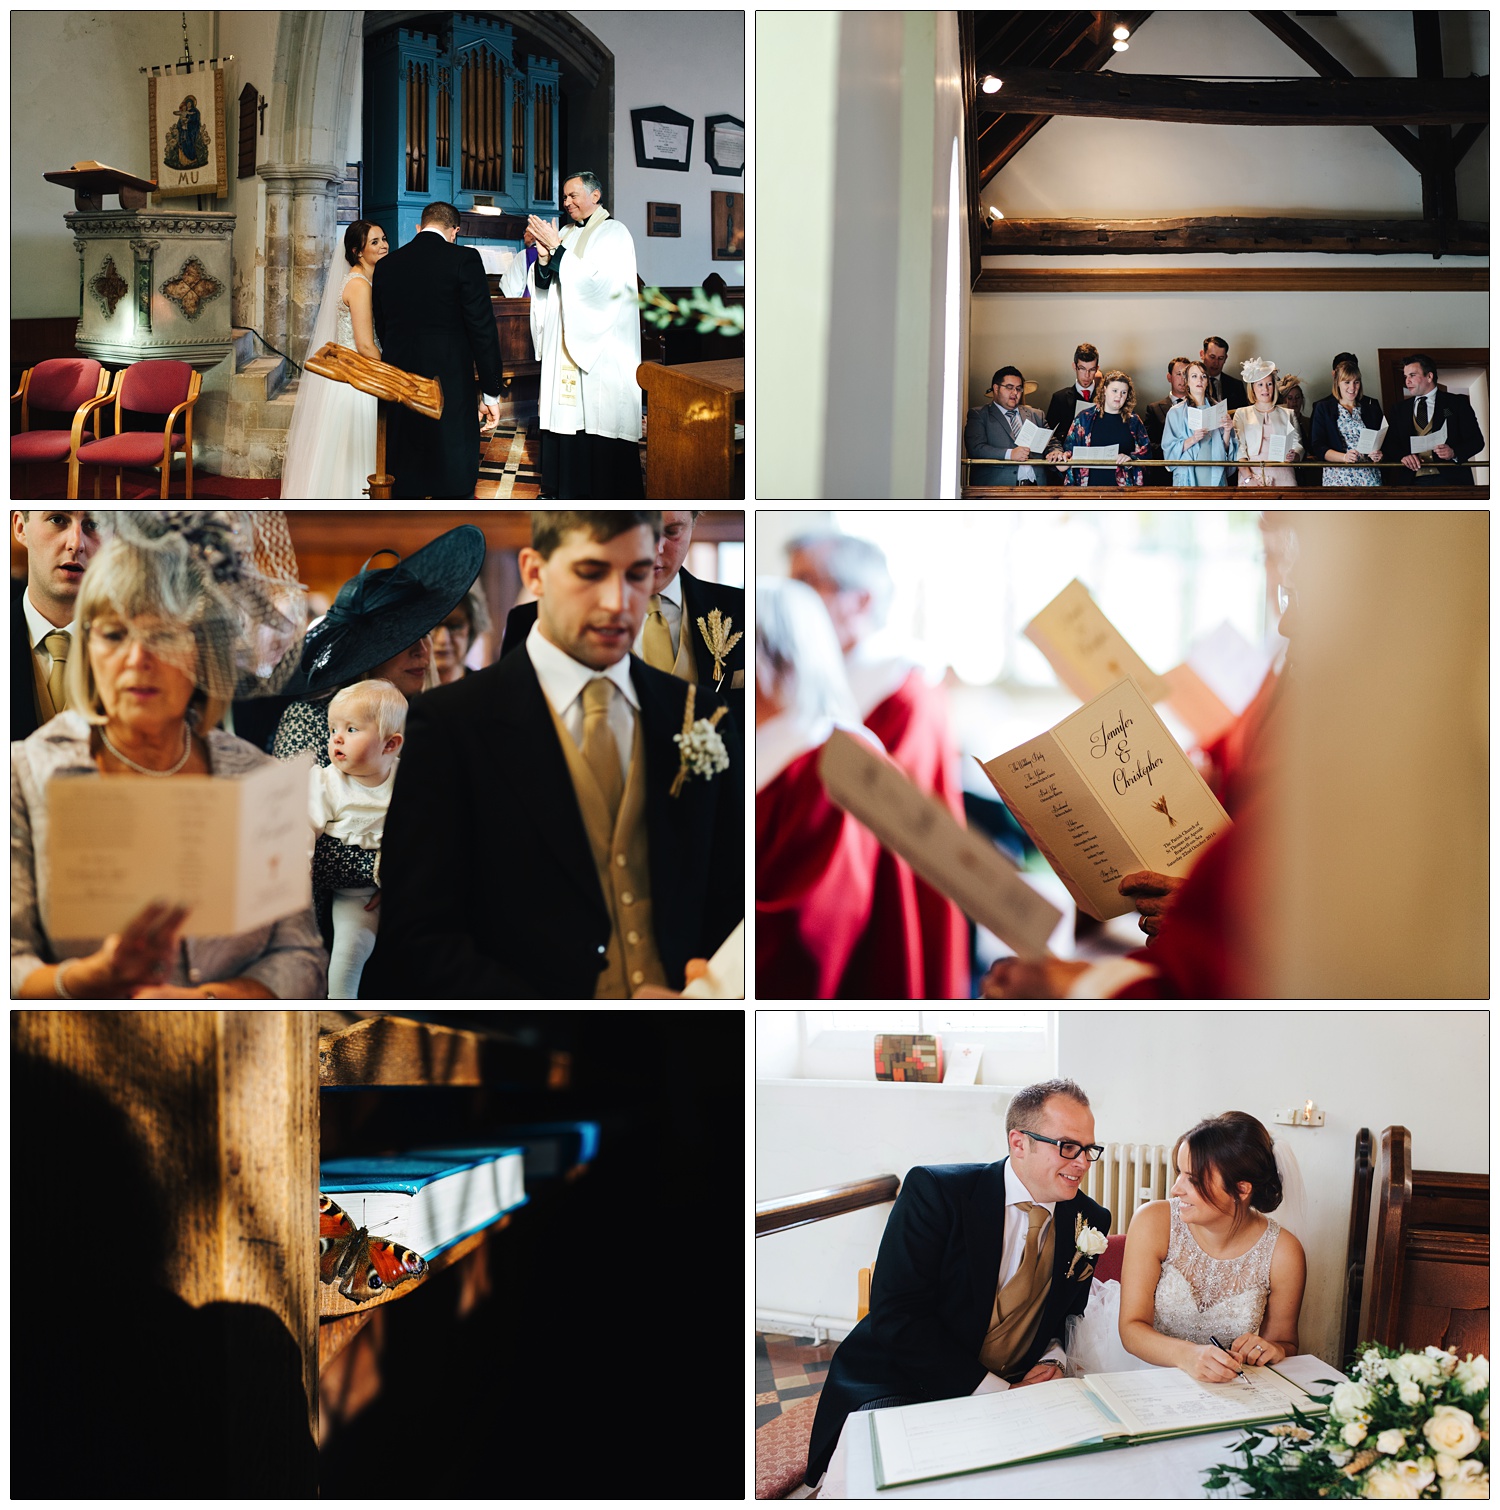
(783, 1213)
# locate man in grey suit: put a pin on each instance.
(1156, 414)
(992, 429)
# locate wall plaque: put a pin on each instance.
(663, 138)
(663, 219)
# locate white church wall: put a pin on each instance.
(693, 61)
(1140, 333)
(1149, 1076)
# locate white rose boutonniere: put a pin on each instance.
(1088, 1243)
(701, 744)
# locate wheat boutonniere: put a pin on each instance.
(701, 744)
(1088, 1244)
(720, 642)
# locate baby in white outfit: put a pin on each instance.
(347, 800)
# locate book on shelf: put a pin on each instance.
(1106, 792)
(1098, 1412)
(549, 1149)
(428, 1199)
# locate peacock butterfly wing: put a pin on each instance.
(364, 1266)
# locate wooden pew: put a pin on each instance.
(1426, 1254)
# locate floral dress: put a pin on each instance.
(1350, 424)
(1136, 443)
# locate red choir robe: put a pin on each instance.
(835, 914)
(1237, 754)
(913, 725)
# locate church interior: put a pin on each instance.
(208, 243)
(1300, 185)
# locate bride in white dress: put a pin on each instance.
(330, 443)
(1206, 1263)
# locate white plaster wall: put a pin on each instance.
(1130, 170)
(1140, 333)
(1150, 1075)
(694, 61)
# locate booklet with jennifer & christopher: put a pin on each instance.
(1106, 792)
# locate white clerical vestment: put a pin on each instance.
(587, 331)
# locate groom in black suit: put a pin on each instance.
(979, 1269)
(509, 868)
(434, 317)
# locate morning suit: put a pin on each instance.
(23, 673)
(1232, 390)
(433, 317)
(489, 883)
(933, 1293)
(990, 432)
(1464, 436)
(699, 599)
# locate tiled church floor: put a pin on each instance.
(787, 1369)
(510, 463)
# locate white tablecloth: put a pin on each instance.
(1155, 1470)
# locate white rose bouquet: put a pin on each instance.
(1404, 1426)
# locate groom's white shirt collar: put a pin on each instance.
(436, 230)
(1015, 1189)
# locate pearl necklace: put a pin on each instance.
(172, 770)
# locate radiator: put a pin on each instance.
(1126, 1177)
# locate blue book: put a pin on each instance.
(425, 1200)
(551, 1148)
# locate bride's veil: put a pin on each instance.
(1292, 1213)
(300, 470)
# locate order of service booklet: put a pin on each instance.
(235, 852)
(1085, 650)
(966, 867)
(941, 1438)
(1106, 792)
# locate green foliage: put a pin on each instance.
(1407, 1425)
(710, 312)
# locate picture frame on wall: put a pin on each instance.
(663, 219)
(724, 144)
(663, 138)
(187, 134)
(728, 226)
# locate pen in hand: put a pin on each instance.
(1241, 1375)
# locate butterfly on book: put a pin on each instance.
(364, 1266)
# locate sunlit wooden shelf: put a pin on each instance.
(386, 1050)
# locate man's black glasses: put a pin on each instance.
(1069, 1149)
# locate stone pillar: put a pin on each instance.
(278, 250)
(315, 247)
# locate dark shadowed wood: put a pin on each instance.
(1465, 137)
(785, 1212)
(1312, 52)
(1292, 102)
(1359, 1231)
(1439, 185)
(1236, 233)
(1250, 277)
(398, 1051)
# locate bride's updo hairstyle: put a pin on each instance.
(1238, 1149)
(354, 240)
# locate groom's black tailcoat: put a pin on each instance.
(488, 883)
(434, 317)
(933, 1293)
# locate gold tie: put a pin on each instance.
(599, 748)
(656, 641)
(56, 645)
(1018, 1289)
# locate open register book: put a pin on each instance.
(1106, 792)
(944, 1437)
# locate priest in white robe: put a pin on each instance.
(586, 326)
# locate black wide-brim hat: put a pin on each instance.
(377, 614)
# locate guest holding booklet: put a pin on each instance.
(1211, 1282)
(1111, 422)
(979, 1268)
(178, 614)
(1185, 439)
(1338, 422)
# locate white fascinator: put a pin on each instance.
(1254, 369)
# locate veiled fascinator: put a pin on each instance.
(1255, 370)
(212, 592)
(377, 614)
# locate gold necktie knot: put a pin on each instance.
(600, 752)
(56, 645)
(656, 637)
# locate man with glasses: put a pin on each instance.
(978, 1271)
(992, 430)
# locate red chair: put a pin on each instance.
(52, 388)
(160, 388)
(1112, 1260)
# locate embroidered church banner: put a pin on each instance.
(187, 134)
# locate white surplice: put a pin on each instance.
(587, 331)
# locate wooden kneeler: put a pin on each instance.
(390, 385)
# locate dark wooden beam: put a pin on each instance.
(1464, 138)
(1312, 52)
(1248, 278)
(1236, 234)
(1439, 183)
(1291, 102)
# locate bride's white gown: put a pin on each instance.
(1197, 1297)
(330, 444)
